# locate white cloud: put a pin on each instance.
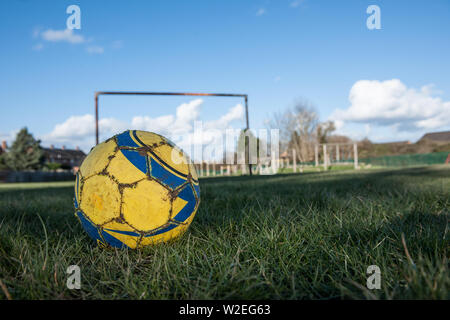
(181, 123)
(66, 35)
(9, 137)
(391, 104)
(260, 11)
(277, 79)
(235, 113)
(158, 124)
(80, 130)
(69, 36)
(95, 49)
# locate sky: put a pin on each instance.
(386, 84)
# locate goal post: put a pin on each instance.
(145, 93)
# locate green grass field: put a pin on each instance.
(290, 236)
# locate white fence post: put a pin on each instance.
(316, 154)
(325, 157)
(294, 161)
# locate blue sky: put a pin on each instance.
(275, 51)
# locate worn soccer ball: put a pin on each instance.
(136, 189)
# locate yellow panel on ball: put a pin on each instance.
(177, 205)
(173, 157)
(123, 170)
(131, 191)
(175, 232)
(98, 158)
(146, 206)
(193, 171)
(149, 138)
(170, 154)
(100, 199)
(122, 232)
(163, 237)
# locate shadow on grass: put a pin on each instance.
(232, 217)
(55, 205)
(425, 171)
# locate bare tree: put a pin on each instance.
(301, 130)
(304, 121)
(324, 130)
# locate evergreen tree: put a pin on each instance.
(3, 165)
(25, 153)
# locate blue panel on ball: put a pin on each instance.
(90, 228)
(128, 233)
(136, 159)
(187, 194)
(162, 174)
(161, 231)
(75, 201)
(113, 242)
(197, 190)
(124, 140)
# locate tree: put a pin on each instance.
(53, 166)
(25, 153)
(301, 130)
(324, 130)
(3, 165)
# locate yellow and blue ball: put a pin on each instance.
(136, 189)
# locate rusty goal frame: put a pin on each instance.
(144, 93)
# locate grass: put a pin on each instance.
(309, 169)
(290, 236)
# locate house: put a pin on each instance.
(442, 137)
(284, 155)
(67, 158)
(394, 144)
(3, 147)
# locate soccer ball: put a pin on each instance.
(136, 189)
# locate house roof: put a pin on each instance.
(65, 153)
(394, 143)
(443, 136)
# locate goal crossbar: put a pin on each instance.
(99, 93)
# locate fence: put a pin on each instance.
(407, 160)
(326, 155)
(35, 176)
